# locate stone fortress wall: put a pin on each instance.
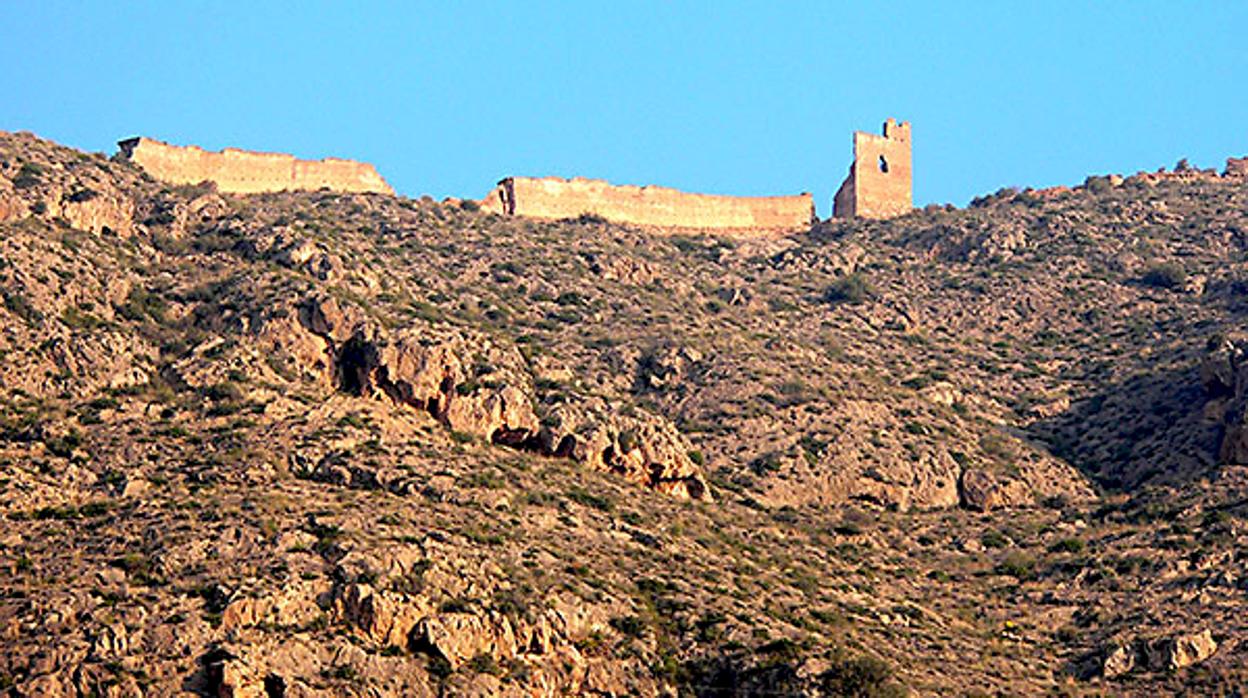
(879, 184)
(553, 198)
(245, 172)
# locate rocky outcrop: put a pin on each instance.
(983, 491)
(1179, 651)
(643, 448)
(82, 197)
(480, 388)
(1224, 376)
(464, 379)
(1117, 659)
(667, 366)
(1162, 654)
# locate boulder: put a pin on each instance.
(641, 447)
(385, 618)
(1179, 651)
(458, 637)
(99, 213)
(983, 491)
(1117, 659)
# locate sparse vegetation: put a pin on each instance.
(196, 443)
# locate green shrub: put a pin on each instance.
(28, 175)
(484, 664)
(18, 304)
(588, 218)
(994, 539)
(1068, 545)
(631, 626)
(860, 677)
(849, 289)
(1167, 275)
(141, 303)
(627, 441)
(78, 319)
(1017, 565)
(1098, 184)
(588, 499)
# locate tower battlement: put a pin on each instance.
(879, 184)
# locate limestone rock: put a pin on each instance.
(667, 366)
(1179, 651)
(983, 491)
(1117, 659)
(99, 213)
(643, 448)
(385, 618)
(479, 387)
(291, 606)
(458, 637)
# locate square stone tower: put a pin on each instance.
(879, 182)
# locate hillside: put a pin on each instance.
(354, 444)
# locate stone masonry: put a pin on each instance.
(879, 182)
(245, 172)
(553, 198)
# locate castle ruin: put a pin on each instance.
(878, 186)
(879, 182)
(553, 198)
(245, 172)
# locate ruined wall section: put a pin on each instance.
(554, 198)
(880, 181)
(245, 172)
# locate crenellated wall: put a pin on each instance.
(879, 181)
(658, 207)
(245, 172)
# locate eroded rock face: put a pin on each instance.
(464, 379)
(1161, 654)
(383, 617)
(1179, 651)
(478, 387)
(643, 448)
(983, 491)
(1224, 375)
(84, 198)
(99, 213)
(1118, 660)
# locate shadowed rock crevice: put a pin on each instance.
(1150, 428)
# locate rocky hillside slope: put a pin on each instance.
(353, 444)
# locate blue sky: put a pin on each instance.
(720, 97)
